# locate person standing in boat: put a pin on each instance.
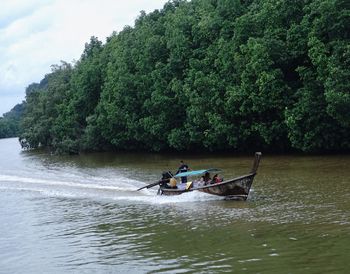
(183, 168)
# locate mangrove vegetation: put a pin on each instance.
(209, 75)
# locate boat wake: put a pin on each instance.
(116, 188)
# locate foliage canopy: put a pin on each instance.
(204, 74)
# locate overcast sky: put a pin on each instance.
(34, 34)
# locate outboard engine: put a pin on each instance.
(166, 176)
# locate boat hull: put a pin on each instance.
(237, 188)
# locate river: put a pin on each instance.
(82, 214)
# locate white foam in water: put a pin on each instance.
(18, 179)
(46, 192)
(117, 189)
(152, 197)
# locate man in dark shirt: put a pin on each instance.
(183, 168)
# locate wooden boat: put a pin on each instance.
(236, 188)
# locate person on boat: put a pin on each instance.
(183, 168)
(216, 179)
(206, 178)
(200, 182)
(173, 183)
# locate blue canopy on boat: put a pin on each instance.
(196, 172)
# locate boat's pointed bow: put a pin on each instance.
(256, 162)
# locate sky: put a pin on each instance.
(35, 34)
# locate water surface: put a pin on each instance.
(82, 214)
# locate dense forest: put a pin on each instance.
(204, 75)
(10, 122)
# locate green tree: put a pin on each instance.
(203, 75)
(10, 122)
(42, 106)
(81, 99)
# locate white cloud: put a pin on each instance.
(34, 34)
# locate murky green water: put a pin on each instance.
(83, 215)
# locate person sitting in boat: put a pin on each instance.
(183, 168)
(216, 179)
(199, 182)
(173, 183)
(206, 178)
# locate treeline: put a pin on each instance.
(204, 75)
(10, 122)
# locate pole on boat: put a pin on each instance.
(151, 185)
(157, 183)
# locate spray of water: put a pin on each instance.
(118, 188)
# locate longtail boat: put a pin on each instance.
(237, 188)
